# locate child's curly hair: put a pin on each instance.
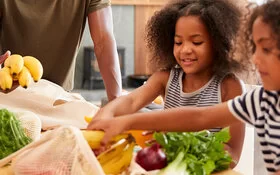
(222, 19)
(270, 13)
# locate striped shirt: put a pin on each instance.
(261, 108)
(208, 95)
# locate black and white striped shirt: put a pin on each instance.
(261, 108)
(208, 95)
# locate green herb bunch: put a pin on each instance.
(195, 153)
(12, 136)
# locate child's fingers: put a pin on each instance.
(93, 125)
(107, 137)
(150, 142)
(145, 133)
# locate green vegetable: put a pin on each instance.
(203, 151)
(12, 136)
(177, 166)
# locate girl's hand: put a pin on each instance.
(103, 114)
(111, 126)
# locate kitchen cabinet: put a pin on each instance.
(143, 10)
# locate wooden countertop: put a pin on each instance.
(228, 172)
(6, 170)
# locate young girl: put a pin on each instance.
(192, 42)
(260, 107)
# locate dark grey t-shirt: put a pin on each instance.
(50, 30)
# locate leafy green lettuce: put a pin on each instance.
(12, 136)
(203, 152)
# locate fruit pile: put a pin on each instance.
(116, 158)
(22, 69)
(141, 137)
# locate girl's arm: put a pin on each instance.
(175, 119)
(237, 130)
(138, 98)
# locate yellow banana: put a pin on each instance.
(15, 63)
(24, 77)
(114, 151)
(15, 77)
(119, 163)
(34, 66)
(6, 80)
(94, 138)
(6, 69)
(119, 137)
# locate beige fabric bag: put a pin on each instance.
(62, 151)
(40, 97)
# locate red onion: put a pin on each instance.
(151, 158)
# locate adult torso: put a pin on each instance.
(50, 30)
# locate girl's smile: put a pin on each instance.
(188, 61)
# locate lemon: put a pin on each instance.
(158, 100)
(88, 119)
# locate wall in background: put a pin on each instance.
(123, 18)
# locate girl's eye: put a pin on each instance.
(266, 50)
(254, 48)
(177, 43)
(197, 43)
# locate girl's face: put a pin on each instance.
(193, 46)
(266, 56)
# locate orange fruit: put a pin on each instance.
(88, 119)
(158, 100)
(139, 138)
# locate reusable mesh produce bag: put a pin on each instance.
(51, 103)
(30, 123)
(62, 151)
(17, 129)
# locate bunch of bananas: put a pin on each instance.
(118, 156)
(21, 69)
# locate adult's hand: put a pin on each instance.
(4, 56)
(2, 59)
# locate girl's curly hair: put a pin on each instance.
(270, 13)
(222, 19)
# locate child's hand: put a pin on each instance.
(111, 127)
(103, 114)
